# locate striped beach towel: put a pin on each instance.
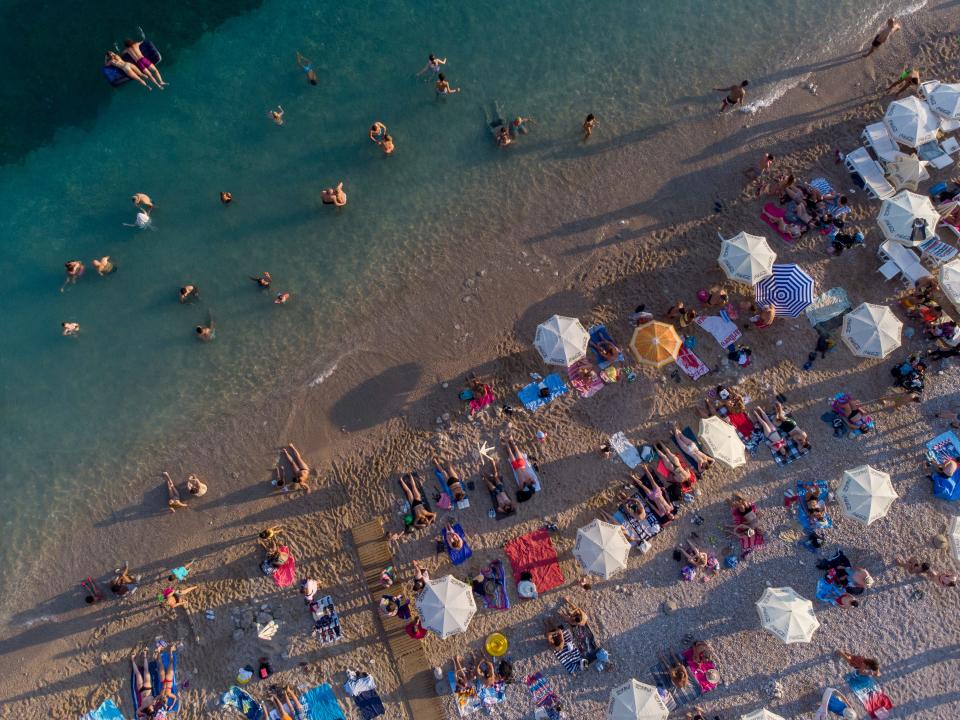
(569, 655)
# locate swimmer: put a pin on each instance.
(519, 125)
(144, 63)
(735, 95)
(189, 293)
(387, 145)
(207, 332)
(226, 198)
(377, 132)
(433, 64)
(276, 115)
(70, 328)
(881, 37)
(74, 269)
(498, 126)
(141, 221)
(264, 280)
(334, 196)
(103, 265)
(307, 67)
(443, 87)
(142, 200)
(129, 69)
(588, 125)
(503, 137)
(281, 298)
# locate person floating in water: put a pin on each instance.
(70, 328)
(129, 69)
(226, 198)
(588, 125)
(144, 63)
(263, 281)
(141, 221)
(276, 115)
(498, 126)
(334, 196)
(433, 64)
(377, 132)
(104, 266)
(307, 67)
(443, 86)
(881, 37)
(735, 95)
(207, 332)
(281, 298)
(142, 201)
(74, 269)
(189, 293)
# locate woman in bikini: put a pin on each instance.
(421, 516)
(173, 495)
(301, 471)
(144, 63)
(144, 687)
(495, 486)
(291, 702)
(487, 672)
(777, 442)
(606, 350)
(334, 196)
(788, 426)
(691, 448)
(167, 698)
(525, 477)
(453, 538)
(695, 556)
(450, 477)
(554, 635)
(129, 69)
(851, 412)
(654, 494)
(307, 67)
(679, 474)
(632, 507)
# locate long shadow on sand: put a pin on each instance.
(377, 399)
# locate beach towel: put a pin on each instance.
(174, 706)
(945, 446)
(778, 213)
(724, 331)
(585, 387)
(460, 556)
(284, 575)
(467, 701)
(946, 488)
(869, 693)
(326, 621)
(822, 186)
(625, 449)
(793, 452)
(638, 530)
(107, 711)
(543, 695)
(750, 435)
(479, 403)
(462, 504)
(673, 697)
(598, 333)
(828, 592)
(530, 395)
(806, 522)
(536, 484)
(363, 690)
(747, 544)
(243, 702)
(693, 367)
(569, 655)
(321, 704)
(534, 553)
(495, 587)
(699, 670)
(585, 641)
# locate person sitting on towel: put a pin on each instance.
(525, 477)
(793, 230)
(745, 509)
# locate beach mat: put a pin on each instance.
(626, 450)
(157, 685)
(638, 530)
(869, 692)
(691, 365)
(945, 446)
(321, 704)
(457, 557)
(673, 697)
(363, 690)
(326, 621)
(243, 702)
(586, 641)
(725, 332)
(794, 452)
(585, 388)
(107, 711)
(806, 522)
(530, 394)
(598, 333)
(699, 670)
(776, 212)
(543, 695)
(284, 575)
(495, 580)
(569, 655)
(445, 489)
(534, 553)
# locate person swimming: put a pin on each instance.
(276, 115)
(307, 67)
(141, 221)
(433, 64)
(226, 198)
(377, 132)
(189, 293)
(334, 195)
(443, 87)
(498, 126)
(103, 265)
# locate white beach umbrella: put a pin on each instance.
(561, 340)
(950, 281)
(787, 615)
(898, 213)
(866, 494)
(762, 714)
(635, 700)
(944, 100)
(871, 331)
(746, 258)
(722, 442)
(955, 537)
(911, 121)
(602, 548)
(446, 606)
(906, 172)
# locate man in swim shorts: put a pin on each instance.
(881, 37)
(735, 95)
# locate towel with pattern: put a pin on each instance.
(869, 692)
(693, 367)
(674, 697)
(638, 530)
(586, 386)
(747, 544)
(794, 452)
(699, 670)
(808, 523)
(625, 449)
(543, 695)
(569, 655)
(750, 435)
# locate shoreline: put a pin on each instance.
(400, 397)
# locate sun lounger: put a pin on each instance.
(321, 704)
(691, 365)
(326, 621)
(905, 259)
(585, 387)
(243, 702)
(530, 395)
(934, 154)
(363, 690)
(462, 504)
(107, 711)
(936, 252)
(457, 557)
(598, 333)
(534, 553)
(625, 449)
(867, 173)
(881, 142)
(869, 692)
(569, 655)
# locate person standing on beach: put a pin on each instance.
(735, 95)
(588, 125)
(909, 79)
(881, 37)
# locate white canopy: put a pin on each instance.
(721, 440)
(746, 258)
(871, 331)
(446, 606)
(911, 121)
(898, 213)
(955, 537)
(944, 99)
(787, 615)
(635, 700)
(762, 714)
(866, 494)
(561, 340)
(602, 548)
(906, 172)
(950, 281)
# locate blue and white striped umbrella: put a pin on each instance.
(789, 290)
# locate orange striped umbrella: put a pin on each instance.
(655, 343)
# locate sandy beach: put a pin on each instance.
(622, 220)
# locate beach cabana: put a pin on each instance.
(911, 122)
(746, 258)
(655, 343)
(944, 99)
(866, 494)
(635, 700)
(602, 548)
(955, 538)
(950, 281)
(561, 340)
(906, 172)
(762, 714)
(871, 331)
(787, 615)
(722, 442)
(789, 289)
(898, 213)
(446, 606)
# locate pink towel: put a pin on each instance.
(776, 212)
(699, 670)
(478, 404)
(286, 573)
(534, 553)
(586, 387)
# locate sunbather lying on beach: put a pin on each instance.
(691, 448)
(143, 684)
(695, 556)
(850, 412)
(292, 703)
(421, 516)
(454, 539)
(794, 230)
(632, 506)
(676, 669)
(788, 425)
(450, 477)
(173, 496)
(301, 471)
(173, 597)
(487, 673)
(495, 485)
(606, 349)
(812, 503)
(571, 613)
(777, 441)
(679, 474)
(654, 493)
(525, 477)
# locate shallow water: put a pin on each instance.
(77, 411)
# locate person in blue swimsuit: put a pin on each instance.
(307, 67)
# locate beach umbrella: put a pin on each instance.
(561, 340)
(955, 537)
(871, 331)
(866, 494)
(762, 714)
(898, 213)
(789, 290)
(722, 442)
(602, 548)
(655, 343)
(635, 700)
(746, 258)
(787, 615)
(906, 172)
(950, 281)
(944, 99)
(446, 606)
(911, 121)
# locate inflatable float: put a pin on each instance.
(116, 76)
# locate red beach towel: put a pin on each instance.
(286, 573)
(742, 423)
(747, 544)
(534, 553)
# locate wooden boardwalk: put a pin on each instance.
(416, 676)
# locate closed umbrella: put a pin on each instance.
(906, 172)
(944, 100)
(762, 714)
(722, 441)
(446, 606)
(561, 340)
(950, 281)
(911, 121)
(897, 215)
(789, 290)
(601, 548)
(655, 343)
(955, 537)
(635, 700)
(746, 258)
(871, 331)
(787, 615)
(866, 494)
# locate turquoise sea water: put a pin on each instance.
(74, 411)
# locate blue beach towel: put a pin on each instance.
(536, 477)
(945, 446)
(463, 504)
(530, 395)
(598, 333)
(363, 690)
(828, 592)
(321, 704)
(107, 711)
(243, 702)
(806, 522)
(155, 678)
(947, 488)
(460, 556)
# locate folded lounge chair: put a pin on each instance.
(934, 154)
(881, 142)
(867, 173)
(936, 252)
